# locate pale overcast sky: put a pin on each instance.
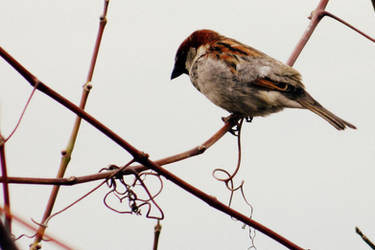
(306, 180)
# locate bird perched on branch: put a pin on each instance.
(243, 80)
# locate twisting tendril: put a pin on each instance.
(131, 189)
(228, 178)
(113, 181)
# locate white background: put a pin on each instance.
(307, 181)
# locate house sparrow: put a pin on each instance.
(243, 80)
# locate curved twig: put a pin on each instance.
(326, 13)
(73, 203)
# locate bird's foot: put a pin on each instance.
(236, 117)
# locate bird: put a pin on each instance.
(243, 80)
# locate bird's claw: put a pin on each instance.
(234, 130)
(249, 119)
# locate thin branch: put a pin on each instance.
(102, 24)
(66, 154)
(364, 238)
(141, 157)
(4, 174)
(75, 202)
(326, 13)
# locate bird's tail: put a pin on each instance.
(310, 103)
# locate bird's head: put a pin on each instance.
(188, 50)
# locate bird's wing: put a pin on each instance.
(254, 67)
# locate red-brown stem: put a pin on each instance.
(4, 173)
(103, 22)
(34, 229)
(76, 201)
(141, 157)
(315, 19)
(65, 159)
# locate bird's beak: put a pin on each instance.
(177, 71)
